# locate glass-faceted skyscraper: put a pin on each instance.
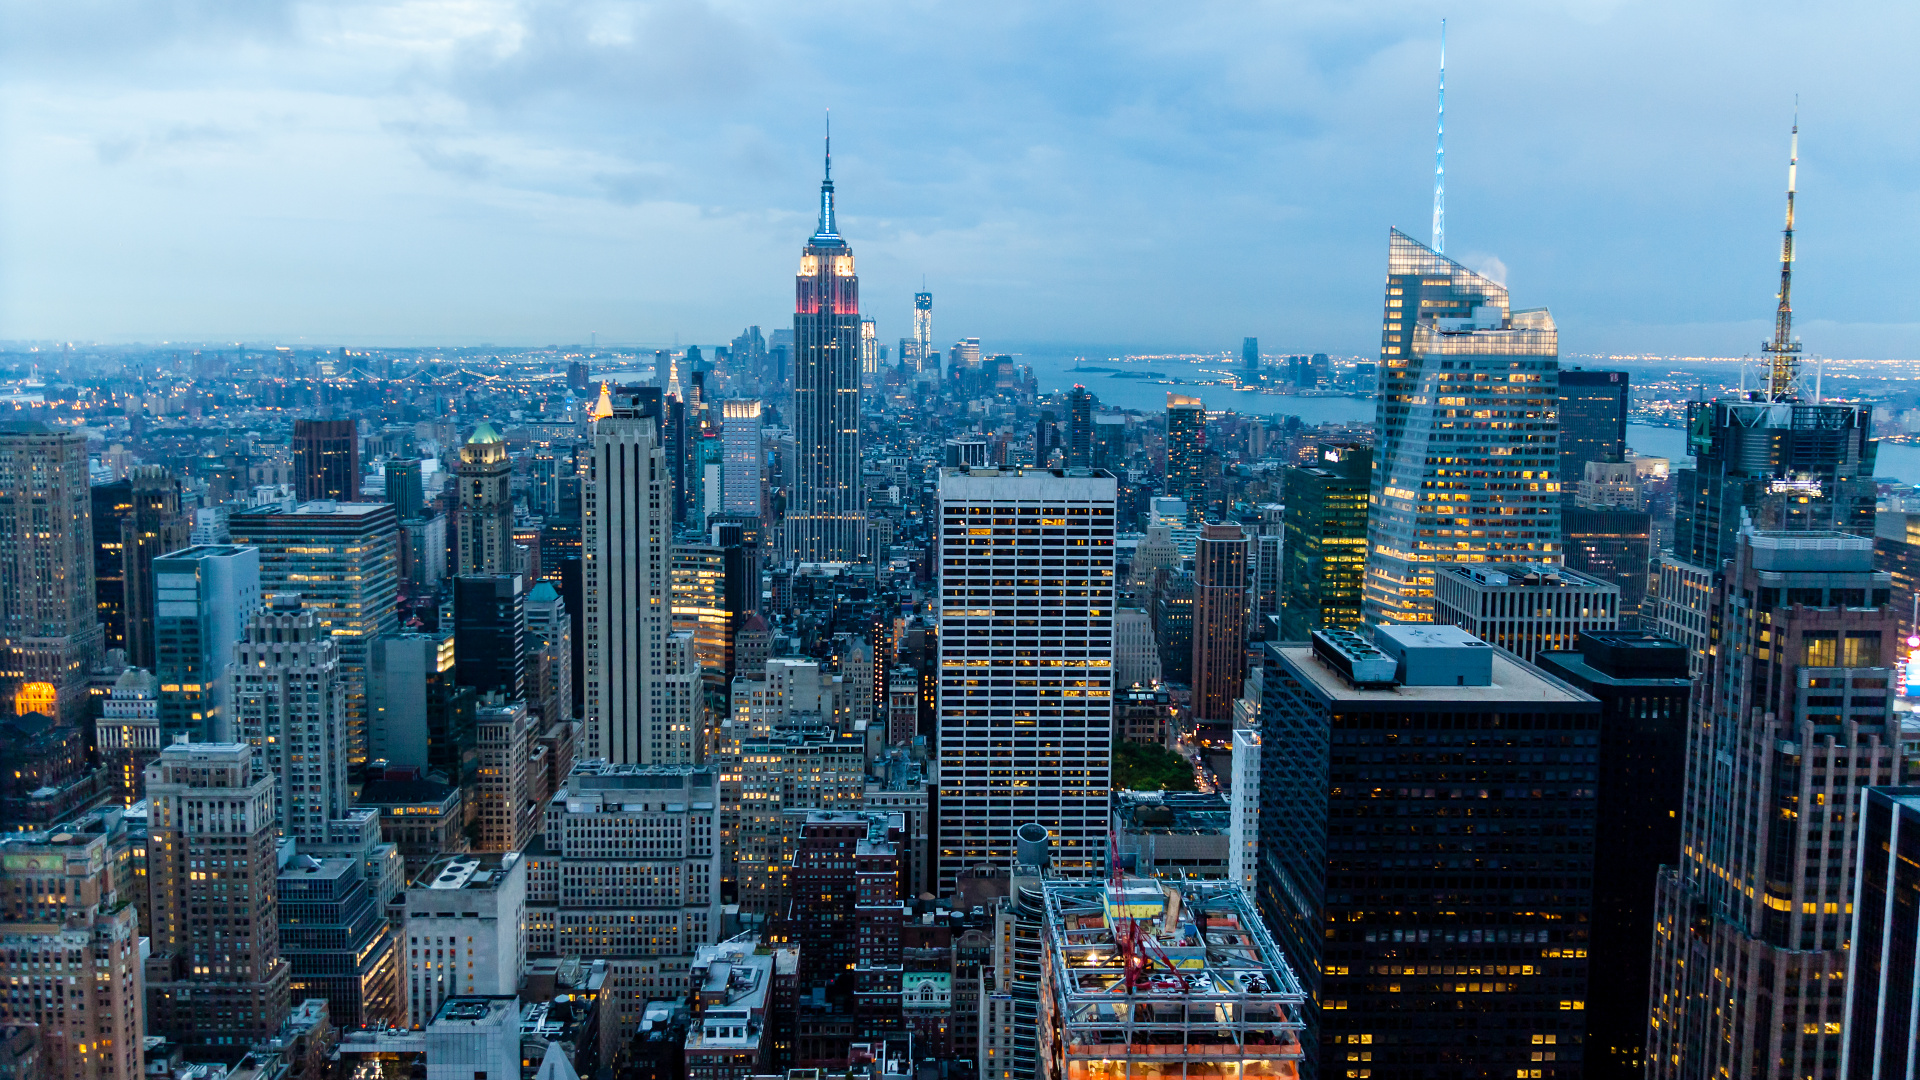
(826, 514)
(1467, 452)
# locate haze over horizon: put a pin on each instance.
(434, 172)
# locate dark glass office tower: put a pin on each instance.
(1325, 550)
(326, 460)
(1593, 422)
(826, 508)
(1644, 690)
(1426, 852)
(489, 634)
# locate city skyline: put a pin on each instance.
(481, 153)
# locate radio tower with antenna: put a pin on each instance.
(1440, 155)
(1784, 349)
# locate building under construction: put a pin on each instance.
(1145, 980)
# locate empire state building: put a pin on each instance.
(826, 508)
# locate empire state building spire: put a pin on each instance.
(829, 230)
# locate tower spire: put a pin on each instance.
(1785, 348)
(1440, 155)
(828, 229)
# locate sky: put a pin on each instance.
(1138, 175)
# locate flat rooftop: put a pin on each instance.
(1514, 681)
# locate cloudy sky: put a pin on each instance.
(1129, 174)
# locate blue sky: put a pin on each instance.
(1145, 174)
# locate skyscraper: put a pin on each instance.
(205, 596)
(290, 706)
(826, 511)
(152, 527)
(1791, 720)
(47, 618)
(1026, 696)
(641, 680)
(1417, 937)
(1593, 422)
(1325, 549)
(1079, 428)
(1219, 621)
(486, 504)
(215, 981)
(343, 560)
(1466, 454)
(926, 359)
(1186, 451)
(326, 460)
(740, 432)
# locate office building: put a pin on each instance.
(641, 689)
(405, 489)
(1612, 545)
(152, 527)
(504, 811)
(216, 982)
(1388, 906)
(337, 939)
(926, 357)
(1325, 545)
(1593, 422)
(629, 869)
(1524, 608)
(1456, 365)
(490, 633)
(112, 502)
(205, 595)
(48, 624)
(343, 560)
(1187, 450)
(466, 930)
(1079, 428)
(1644, 692)
(128, 733)
(1186, 1006)
(1219, 621)
(1054, 635)
(485, 527)
(1881, 999)
(826, 506)
(289, 705)
(72, 957)
(326, 460)
(1751, 933)
(740, 437)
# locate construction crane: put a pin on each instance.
(1785, 348)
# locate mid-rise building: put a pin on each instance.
(1881, 999)
(1325, 545)
(215, 980)
(1454, 480)
(826, 505)
(72, 952)
(1026, 693)
(1369, 878)
(1219, 621)
(1524, 608)
(1644, 693)
(290, 707)
(205, 596)
(1132, 983)
(326, 460)
(48, 625)
(1793, 718)
(641, 678)
(1187, 450)
(466, 930)
(343, 560)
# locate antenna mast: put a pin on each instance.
(1440, 155)
(1784, 348)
